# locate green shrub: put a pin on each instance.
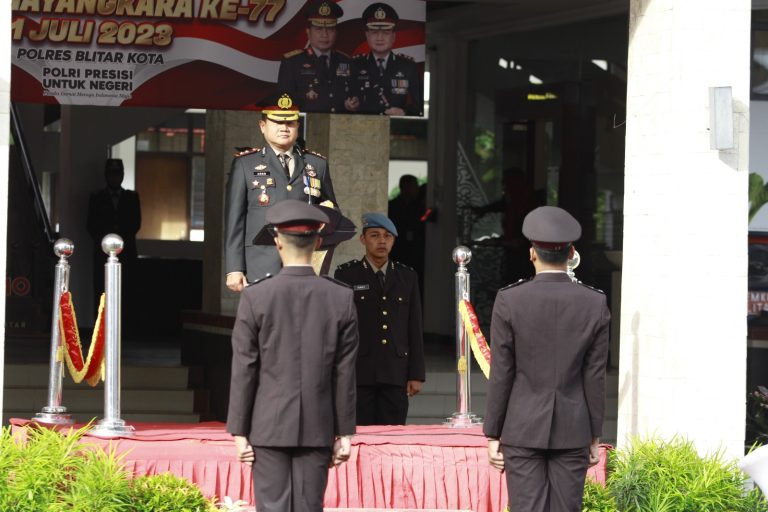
(597, 498)
(168, 493)
(658, 476)
(50, 471)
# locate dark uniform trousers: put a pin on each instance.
(294, 345)
(546, 392)
(391, 339)
(400, 85)
(256, 182)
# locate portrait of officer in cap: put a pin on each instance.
(390, 362)
(294, 344)
(261, 178)
(385, 82)
(546, 394)
(317, 77)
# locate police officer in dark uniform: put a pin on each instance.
(317, 77)
(294, 345)
(384, 82)
(260, 179)
(390, 364)
(546, 395)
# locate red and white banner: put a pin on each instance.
(176, 53)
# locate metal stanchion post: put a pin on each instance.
(572, 264)
(112, 425)
(463, 416)
(54, 413)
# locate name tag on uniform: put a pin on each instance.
(360, 287)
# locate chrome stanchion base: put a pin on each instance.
(111, 428)
(53, 416)
(463, 420)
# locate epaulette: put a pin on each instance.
(314, 153)
(259, 280)
(404, 266)
(293, 53)
(345, 285)
(518, 283)
(404, 56)
(245, 151)
(345, 266)
(598, 290)
(360, 56)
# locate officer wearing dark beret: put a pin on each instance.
(259, 179)
(317, 76)
(384, 82)
(549, 340)
(390, 363)
(292, 393)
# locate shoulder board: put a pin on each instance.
(360, 56)
(293, 53)
(314, 153)
(403, 265)
(259, 280)
(336, 281)
(346, 265)
(518, 283)
(405, 57)
(598, 290)
(245, 151)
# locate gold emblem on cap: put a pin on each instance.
(379, 14)
(324, 10)
(285, 102)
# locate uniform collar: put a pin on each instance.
(552, 277)
(369, 264)
(297, 270)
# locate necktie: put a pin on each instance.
(284, 158)
(381, 277)
(380, 63)
(324, 61)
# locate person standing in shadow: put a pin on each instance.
(114, 209)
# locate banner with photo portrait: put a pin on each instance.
(222, 54)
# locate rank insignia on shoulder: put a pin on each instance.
(518, 283)
(314, 153)
(598, 290)
(245, 151)
(259, 280)
(404, 57)
(403, 265)
(340, 283)
(293, 53)
(346, 265)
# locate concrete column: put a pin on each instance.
(5, 121)
(357, 148)
(683, 315)
(225, 130)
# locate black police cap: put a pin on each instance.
(380, 16)
(551, 226)
(323, 13)
(292, 217)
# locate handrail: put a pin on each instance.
(29, 173)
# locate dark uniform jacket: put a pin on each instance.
(391, 339)
(245, 213)
(314, 88)
(549, 348)
(294, 345)
(400, 86)
(105, 218)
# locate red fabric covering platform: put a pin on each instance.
(420, 467)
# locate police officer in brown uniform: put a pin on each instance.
(546, 396)
(384, 82)
(261, 178)
(317, 77)
(294, 344)
(390, 363)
